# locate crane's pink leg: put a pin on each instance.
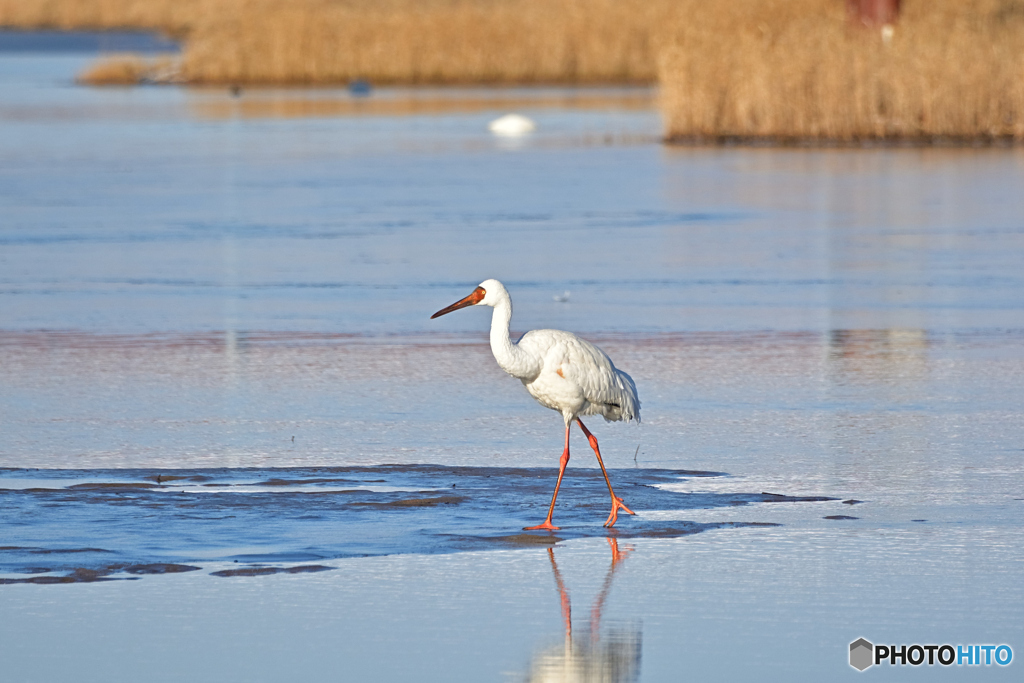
(561, 470)
(616, 501)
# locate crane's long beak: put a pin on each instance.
(473, 298)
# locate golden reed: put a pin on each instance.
(430, 41)
(788, 71)
(384, 41)
(170, 16)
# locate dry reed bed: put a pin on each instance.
(431, 41)
(174, 17)
(754, 70)
(385, 41)
(785, 71)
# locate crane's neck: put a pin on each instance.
(512, 359)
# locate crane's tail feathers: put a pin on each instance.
(632, 403)
(626, 406)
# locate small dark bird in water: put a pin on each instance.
(236, 90)
(359, 88)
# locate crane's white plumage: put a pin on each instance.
(577, 378)
(560, 370)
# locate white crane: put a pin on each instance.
(561, 371)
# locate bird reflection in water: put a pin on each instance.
(593, 656)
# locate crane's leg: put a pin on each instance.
(616, 501)
(561, 470)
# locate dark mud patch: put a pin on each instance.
(112, 486)
(160, 568)
(93, 574)
(780, 498)
(674, 531)
(840, 517)
(60, 551)
(44, 580)
(919, 520)
(266, 571)
(79, 575)
(167, 478)
(680, 529)
(305, 482)
(416, 502)
(337, 492)
(87, 575)
(528, 539)
(429, 502)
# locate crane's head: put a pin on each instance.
(489, 293)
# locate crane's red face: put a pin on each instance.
(474, 298)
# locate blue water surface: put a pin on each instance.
(237, 289)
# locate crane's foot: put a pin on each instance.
(546, 525)
(614, 515)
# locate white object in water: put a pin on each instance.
(562, 298)
(512, 125)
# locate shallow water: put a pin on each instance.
(110, 521)
(237, 290)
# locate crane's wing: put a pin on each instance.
(609, 392)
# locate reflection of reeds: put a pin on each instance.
(287, 103)
(788, 70)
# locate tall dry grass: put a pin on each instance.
(778, 70)
(430, 41)
(174, 17)
(795, 70)
(385, 41)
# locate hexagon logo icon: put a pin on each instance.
(862, 654)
